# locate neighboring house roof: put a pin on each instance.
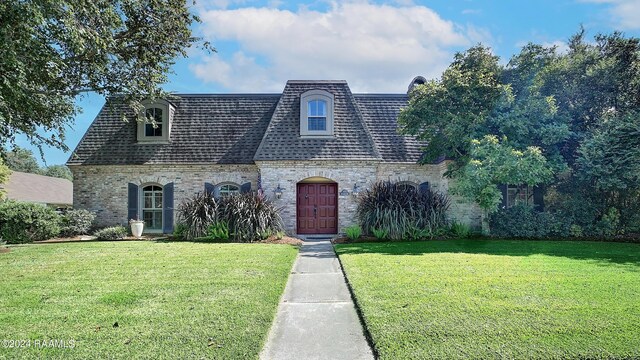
(39, 189)
(243, 128)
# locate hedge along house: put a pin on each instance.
(311, 148)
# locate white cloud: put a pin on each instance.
(374, 47)
(626, 13)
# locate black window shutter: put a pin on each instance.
(245, 188)
(167, 208)
(423, 188)
(209, 188)
(216, 191)
(538, 198)
(132, 203)
(503, 190)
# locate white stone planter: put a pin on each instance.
(136, 227)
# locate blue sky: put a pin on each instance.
(377, 46)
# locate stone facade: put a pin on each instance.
(103, 189)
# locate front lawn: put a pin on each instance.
(498, 299)
(141, 299)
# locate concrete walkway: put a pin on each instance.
(316, 318)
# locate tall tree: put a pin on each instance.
(21, 159)
(59, 171)
(56, 50)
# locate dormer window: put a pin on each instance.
(316, 113)
(154, 126)
(157, 122)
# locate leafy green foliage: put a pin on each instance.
(380, 234)
(493, 162)
(353, 232)
(53, 51)
(399, 209)
(249, 217)
(218, 231)
(522, 221)
(578, 109)
(5, 172)
(22, 222)
(59, 171)
(77, 222)
(460, 230)
(111, 233)
(179, 229)
(22, 160)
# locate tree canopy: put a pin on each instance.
(21, 159)
(56, 50)
(576, 114)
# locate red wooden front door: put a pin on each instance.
(317, 208)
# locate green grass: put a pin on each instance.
(170, 300)
(498, 299)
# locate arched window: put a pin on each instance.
(229, 189)
(407, 185)
(152, 207)
(316, 113)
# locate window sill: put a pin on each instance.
(152, 142)
(326, 137)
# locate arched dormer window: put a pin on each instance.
(156, 123)
(316, 113)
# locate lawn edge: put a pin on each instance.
(363, 323)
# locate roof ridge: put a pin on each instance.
(367, 131)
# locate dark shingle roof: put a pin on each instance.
(241, 128)
(351, 138)
(219, 129)
(380, 113)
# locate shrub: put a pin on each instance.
(522, 221)
(22, 222)
(279, 234)
(218, 231)
(249, 216)
(353, 232)
(380, 234)
(77, 222)
(197, 214)
(111, 233)
(178, 231)
(399, 210)
(460, 230)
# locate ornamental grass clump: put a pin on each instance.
(401, 210)
(246, 217)
(249, 216)
(196, 214)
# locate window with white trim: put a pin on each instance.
(152, 207)
(316, 113)
(229, 189)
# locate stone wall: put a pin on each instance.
(104, 189)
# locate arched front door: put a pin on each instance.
(317, 208)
